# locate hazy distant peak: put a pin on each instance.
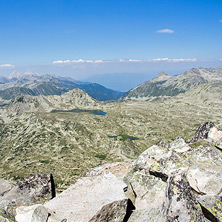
(30, 73)
(162, 74)
(17, 75)
(161, 77)
(14, 75)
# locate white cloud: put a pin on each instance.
(77, 61)
(81, 61)
(7, 66)
(165, 31)
(160, 60)
(182, 60)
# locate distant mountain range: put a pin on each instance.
(165, 86)
(35, 84)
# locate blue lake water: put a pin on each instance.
(95, 112)
(121, 139)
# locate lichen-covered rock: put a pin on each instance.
(115, 211)
(212, 206)
(37, 186)
(148, 175)
(180, 203)
(207, 130)
(203, 131)
(153, 215)
(32, 189)
(35, 213)
(149, 189)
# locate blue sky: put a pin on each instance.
(109, 39)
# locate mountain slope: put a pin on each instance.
(165, 86)
(36, 84)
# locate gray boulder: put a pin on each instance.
(35, 213)
(80, 202)
(116, 211)
(203, 131)
(180, 203)
(149, 173)
(32, 189)
(209, 131)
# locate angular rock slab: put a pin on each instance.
(35, 213)
(81, 201)
(115, 211)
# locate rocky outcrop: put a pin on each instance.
(103, 185)
(164, 194)
(29, 190)
(209, 131)
(38, 186)
(203, 131)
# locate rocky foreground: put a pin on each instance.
(180, 181)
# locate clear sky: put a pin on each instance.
(110, 41)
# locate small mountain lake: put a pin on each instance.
(124, 137)
(95, 112)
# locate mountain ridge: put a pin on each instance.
(165, 86)
(30, 83)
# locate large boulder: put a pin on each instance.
(179, 203)
(32, 189)
(101, 186)
(148, 175)
(37, 186)
(209, 131)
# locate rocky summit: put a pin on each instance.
(178, 181)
